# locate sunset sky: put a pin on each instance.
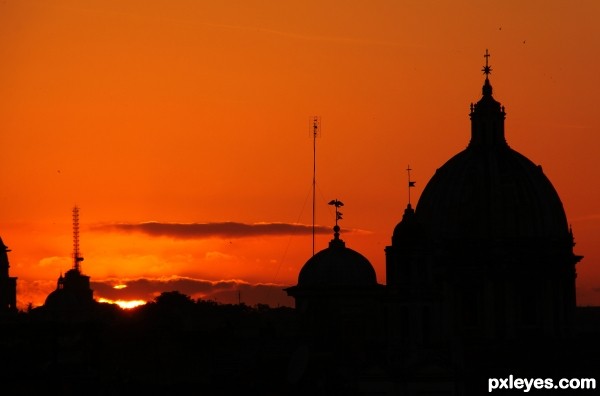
(181, 129)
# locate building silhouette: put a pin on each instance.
(73, 295)
(488, 247)
(479, 275)
(480, 284)
(338, 297)
(8, 284)
(72, 292)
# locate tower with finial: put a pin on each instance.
(405, 242)
(73, 294)
(487, 115)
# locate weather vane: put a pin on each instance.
(487, 69)
(411, 183)
(338, 214)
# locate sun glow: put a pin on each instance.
(125, 304)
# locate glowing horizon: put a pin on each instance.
(130, 304)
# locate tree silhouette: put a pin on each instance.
(174, 299)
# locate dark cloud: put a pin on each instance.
(208, 230)
(223, 291)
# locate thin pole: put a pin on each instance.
(315, 126)
(410, 183)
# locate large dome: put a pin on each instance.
(337, 265)
(490, 191)
(491, 194)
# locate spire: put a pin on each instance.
(487, 115)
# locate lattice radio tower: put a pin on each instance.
(76, 255)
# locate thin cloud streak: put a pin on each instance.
(225, 291)
(245, 29)
(211, 230)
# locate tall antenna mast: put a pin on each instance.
(316, 131)
(76, 257)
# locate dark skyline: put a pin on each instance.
(191, 113)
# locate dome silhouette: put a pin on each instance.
(490, 191)
(495, 193)
(337, 265)
(72, 293)
(488, 243)
(408, 231)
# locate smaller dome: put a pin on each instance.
(337, 265)
(408, 231)
(61, 299)
(72, 292)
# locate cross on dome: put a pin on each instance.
(487, 69)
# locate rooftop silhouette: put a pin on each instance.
(480, 284)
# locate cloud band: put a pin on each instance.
(212, 230)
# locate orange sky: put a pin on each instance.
(189, 113)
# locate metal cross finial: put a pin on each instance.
(411, 183)
(487, 69)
